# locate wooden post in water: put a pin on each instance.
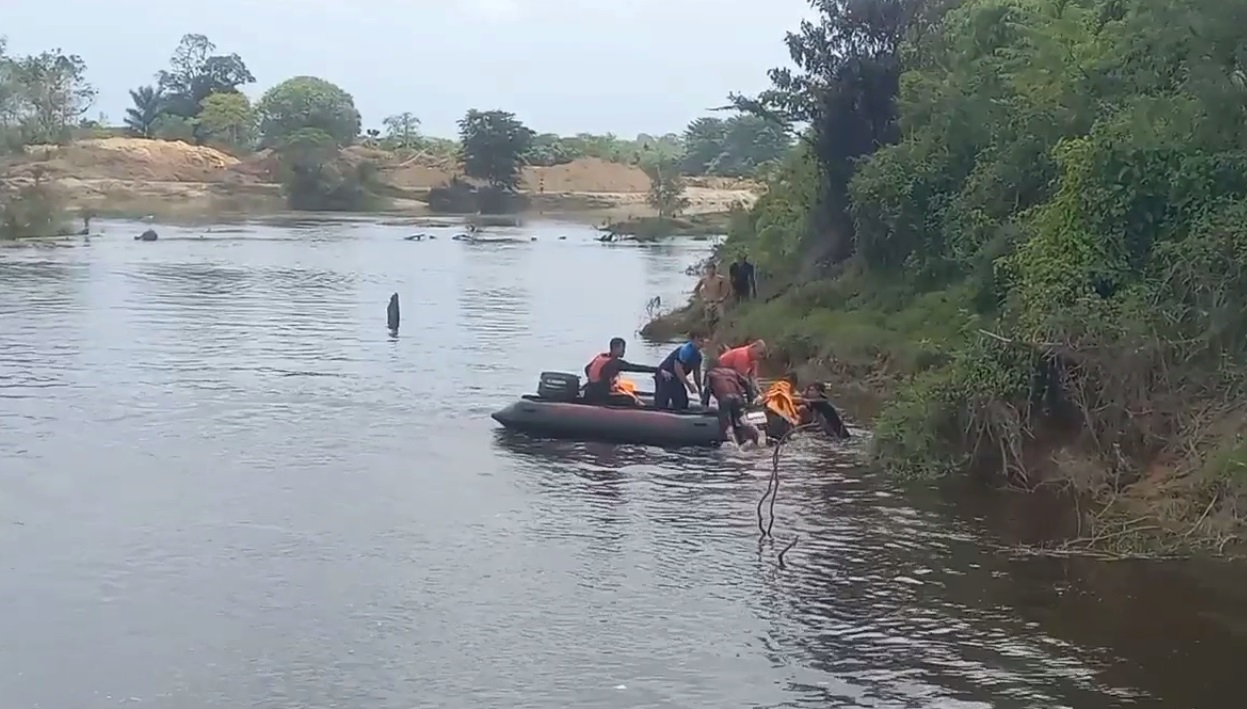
(391, 314)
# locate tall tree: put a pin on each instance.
(148, 107)
(402, 130)
(229, 120)
(56, 92)
(307, 102)
(493, 145)
(843, 92)
(666, 190)
(195, 73)
(703, 143)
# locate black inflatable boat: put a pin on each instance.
(558, 411)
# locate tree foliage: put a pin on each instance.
(1069, 178)
(148, 105)
(227, 119)
(666, 191)
(307, 102)
(195, 73)
(42, 96)
(316, 177)
(493, 146)
(739, 146)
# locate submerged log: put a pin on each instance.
(391, 313)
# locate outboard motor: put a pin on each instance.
(558, 386)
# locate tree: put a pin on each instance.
(402, 131)
(195, 73)
(316, 178)
(703, 143)
(843, 91)
(56, 93)
(666, 190)
(148, 106)
(492, 146)
(168, 126)
(307, 102)
(228, 119)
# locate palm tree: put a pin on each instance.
(149, 105)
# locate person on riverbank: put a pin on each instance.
(741, 274)
(713, 290)
(733, 392)
(679, 374)
(745, 360)
(604, 385)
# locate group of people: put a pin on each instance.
(732, 381)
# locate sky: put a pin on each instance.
(562, 66)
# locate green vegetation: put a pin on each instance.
(42, 99)
(654, 228)
(1025, 223)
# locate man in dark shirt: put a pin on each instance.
(733, 392)
(742, 275)
(603, 372)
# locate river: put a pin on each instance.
(223, 484)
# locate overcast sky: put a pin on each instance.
(563, 66)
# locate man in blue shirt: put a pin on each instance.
(679, 374)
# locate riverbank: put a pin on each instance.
(655, 228)
(127, 177)
(896, 364)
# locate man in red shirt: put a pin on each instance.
(745, 360)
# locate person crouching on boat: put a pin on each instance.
(679, 374)
(733, 392)
(604, 385)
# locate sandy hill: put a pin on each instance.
(142, 160)
(128, 159)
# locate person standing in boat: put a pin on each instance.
(604, 385)
(679, 374)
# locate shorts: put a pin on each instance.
(713, 311)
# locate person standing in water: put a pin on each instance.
(733, 392)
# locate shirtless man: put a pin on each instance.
(713, 290)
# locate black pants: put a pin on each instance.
(669, 393)
(731, 415)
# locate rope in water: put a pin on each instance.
(772, 492)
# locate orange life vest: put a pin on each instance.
(782, 399)
(618, 384)
(594, 370)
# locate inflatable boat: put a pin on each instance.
(558, 411)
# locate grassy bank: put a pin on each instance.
(655, 228)
(1051, 298)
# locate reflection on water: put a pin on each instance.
(225, 485)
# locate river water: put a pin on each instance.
(223, 484)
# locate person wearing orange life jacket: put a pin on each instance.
(603, 385)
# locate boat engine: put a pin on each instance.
(558, 386)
